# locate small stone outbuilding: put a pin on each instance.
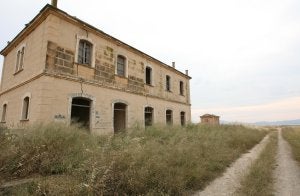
(210, 119)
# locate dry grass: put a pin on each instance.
(292, 135)
(156, 161)
(260, 180)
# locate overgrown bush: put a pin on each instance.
(158, 160)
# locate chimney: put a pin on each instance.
(54, 3)
(187, 72)
(173, 64)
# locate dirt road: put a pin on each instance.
(287, 172)
(230, 181)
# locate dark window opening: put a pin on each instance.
(85, 52)
(119, 117)
(25, 109)
(181, 91)
(80, 112)
(182, 118)
(169, 117)
(168, 83)
(148, 116)
(3, 117)
(148, 75)
(121, 63)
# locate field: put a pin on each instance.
(155, 161)
(292, 135)
(260, 180)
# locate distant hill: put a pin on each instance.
(286, 122)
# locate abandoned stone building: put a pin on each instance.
(210, 119)
(59, 68)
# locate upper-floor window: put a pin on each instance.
(121, 65)
(20, 59)
(25, 109)
(85, 52)
(181, 88)
(148, 75)
(3, 117)
(168, 83)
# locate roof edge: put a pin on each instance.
(27, 26)
(47, 7)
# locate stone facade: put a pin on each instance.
(210, 119)
(59, 88)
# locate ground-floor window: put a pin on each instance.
(182, 118)
(169, 117)
(3, 117)
(119, 117)
(25, 109)
(148, 116)
(81, 111)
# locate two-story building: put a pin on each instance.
(59, 68)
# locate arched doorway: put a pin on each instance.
(81, 111)
(120, 117)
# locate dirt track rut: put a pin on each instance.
(287, 172)
(230, 181)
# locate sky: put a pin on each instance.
(243, 55)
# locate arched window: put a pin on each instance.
(25, 109)
(121, 65)
(3, 117)
(85, 52)
(169, 117)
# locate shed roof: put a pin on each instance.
(208, 115)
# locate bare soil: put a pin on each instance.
(230, 181)
(287, 172)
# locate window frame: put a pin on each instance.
(183, 114)
(92, 53)
(181, 88)
(171, 117)
(19, 65)
(125, 75)
(168, 83)
(22, 117)
(152, 115)
(4, 112)
(85, 51)
(149, 81)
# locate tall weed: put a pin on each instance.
(157, 160)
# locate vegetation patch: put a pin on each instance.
(260, 180)
(155, 161)
(292, 136)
